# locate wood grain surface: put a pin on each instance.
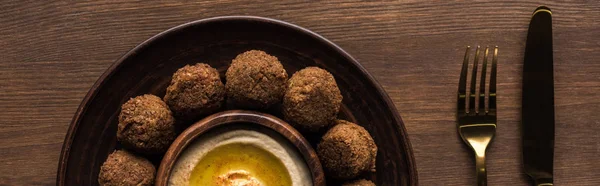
(53, 52)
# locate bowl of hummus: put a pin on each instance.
(240, 148)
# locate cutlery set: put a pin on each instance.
(477, 121)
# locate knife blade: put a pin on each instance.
(538, 99)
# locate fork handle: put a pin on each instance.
(481, 171)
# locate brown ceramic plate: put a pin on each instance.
(148, 68)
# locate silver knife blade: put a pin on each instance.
(538, 99)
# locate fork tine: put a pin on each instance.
(492, 101)
(482, 82)
(462, 82)
(473, 83)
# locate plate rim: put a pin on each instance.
(84, 105)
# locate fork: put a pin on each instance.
(477, 125)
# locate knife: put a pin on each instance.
(538, 99)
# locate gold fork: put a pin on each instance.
(477, 125)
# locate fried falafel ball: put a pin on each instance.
(146, 125)
(312, 99)
(361, 182)
(122, 168)
(255, 80)
(347, 150)
(195, 91)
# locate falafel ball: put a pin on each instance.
(255, 80)
(195, 91)
(146, 125)
(361, 182)
(122, 168)
(312, 99)
(347, 150)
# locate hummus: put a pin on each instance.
(240, 157)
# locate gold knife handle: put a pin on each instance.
(544, 182)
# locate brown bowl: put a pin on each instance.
(240, 116)
(147, 69)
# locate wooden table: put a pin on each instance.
(52, 53)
